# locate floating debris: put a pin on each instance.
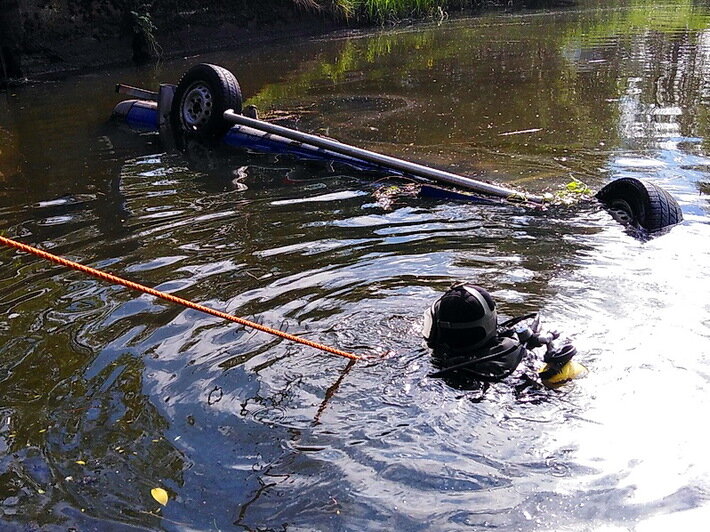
(521, 132)
(573, 192)
(387, 195)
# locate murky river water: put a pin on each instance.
(105, 394)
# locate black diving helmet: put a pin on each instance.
(462, 329)
(463, 320)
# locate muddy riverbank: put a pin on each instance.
(40, 39)
(77, 36)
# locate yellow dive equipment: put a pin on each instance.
(554, 376)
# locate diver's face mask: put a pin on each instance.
(463, 320)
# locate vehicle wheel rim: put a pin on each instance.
(197, 105)
(622, 211)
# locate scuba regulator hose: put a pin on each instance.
(559, 366)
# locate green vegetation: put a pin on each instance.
(573, 192)
(145, 45)
(394, 10)
(667, 16)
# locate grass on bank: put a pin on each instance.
(389, 10)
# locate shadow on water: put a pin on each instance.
(107, 394)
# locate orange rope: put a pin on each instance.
(168, 297)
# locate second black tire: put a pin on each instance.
(204, 92)
(645, 205)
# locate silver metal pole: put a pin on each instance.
(379, 159)
(141, 94)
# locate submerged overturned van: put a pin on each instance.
(206, 106)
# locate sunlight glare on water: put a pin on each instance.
(647, 392)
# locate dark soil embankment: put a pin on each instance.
(54, 36)
(45, 36)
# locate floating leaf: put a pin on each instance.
(81, 462)
(160, 495)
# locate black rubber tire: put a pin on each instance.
(201, 97)
(646, 206)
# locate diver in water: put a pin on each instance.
(471, 346)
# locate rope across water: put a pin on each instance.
(169, 297)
